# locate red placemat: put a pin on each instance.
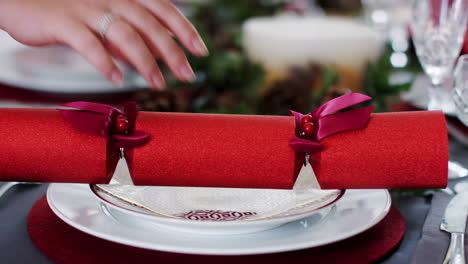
(65, 244)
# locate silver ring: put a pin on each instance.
(104, 24)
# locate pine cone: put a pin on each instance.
(294, 92)
(163, 101)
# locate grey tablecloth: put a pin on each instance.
(16, 247)
(433, 244)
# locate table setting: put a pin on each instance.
(352, 147)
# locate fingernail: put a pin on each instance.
(116, 77)
(158, 80)
(187, 72)
(200, 47)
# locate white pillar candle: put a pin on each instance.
(281, 42)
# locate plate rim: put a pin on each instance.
(200, 250)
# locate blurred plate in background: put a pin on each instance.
(56, 69)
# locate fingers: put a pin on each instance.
(91, 48)
(135, 50)
(140, 34)
(178, 24)
(157, 38)
(123, 39)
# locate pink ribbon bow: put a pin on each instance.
(99, 120)
(328, 121)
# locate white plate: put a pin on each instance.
(214, 210)
(219, 211)
(355, 212)
(55, 69)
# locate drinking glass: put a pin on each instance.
(460, 89)
(438, 28)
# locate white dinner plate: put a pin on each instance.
(56, 69)
(355, 212)
(219, 211)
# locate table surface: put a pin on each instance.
(16, 246)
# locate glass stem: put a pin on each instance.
(434, 92)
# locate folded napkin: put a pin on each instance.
(391, 150)
(433, 245)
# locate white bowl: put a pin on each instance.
(213, 210)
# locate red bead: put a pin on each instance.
(306, 119)
(308, 129)
(120, 117)
(121, 125)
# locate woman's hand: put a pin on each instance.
(140, 33)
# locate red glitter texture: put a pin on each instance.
(38, 145)
(215, 151)
(396, 150)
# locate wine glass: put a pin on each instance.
(438, 28)
(460, 89)
(460, 99)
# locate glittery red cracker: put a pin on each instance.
(38, 145)
(395, 150)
